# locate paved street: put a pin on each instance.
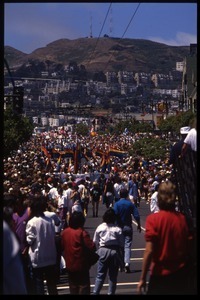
(127, 283)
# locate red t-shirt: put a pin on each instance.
(169, 233)
(72, 241)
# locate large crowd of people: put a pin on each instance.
(50, 166)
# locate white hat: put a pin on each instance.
(184, 130)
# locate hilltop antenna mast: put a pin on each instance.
(111, 22)
(90, 26)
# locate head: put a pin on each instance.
(38, 204)
(69, 184)
(184, 131)
(95, 184)
(109, 216)
(76, 220)
(167, 196)
(123, 193)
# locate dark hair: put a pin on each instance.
(123, 193)
(7, 214)
(8, 199)
(76, 220)
(38, 204)
(109, 216)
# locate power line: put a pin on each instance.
(99, 34)
(9, 72)
(124, 32)
(130, 21)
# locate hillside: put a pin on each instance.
(105, 54)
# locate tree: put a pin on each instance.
(82, 129)
(17, 129)
(174, 123)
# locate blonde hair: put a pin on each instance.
(167, 195)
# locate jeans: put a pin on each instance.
(128, 236)
(107, 263)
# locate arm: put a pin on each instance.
(145, 266)
(184, 149)
(136, 216)
(30, 233)
(89, 243)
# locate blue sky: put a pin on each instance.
(29, 26)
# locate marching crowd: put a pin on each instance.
(46, 204)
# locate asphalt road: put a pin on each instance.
(127, 282)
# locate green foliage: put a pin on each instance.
(17, 129)
(174, 123)
(82, 129)
(133, 126)
(151, 148)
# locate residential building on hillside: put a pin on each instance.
(189, 81)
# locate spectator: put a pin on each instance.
(125, 211)
(109, 240)
(167, 247)
(134, 191)
(109, 192)
(68, 203)
(83, 193)
(154, 200)
(118, 185)
(13, 273)
(175, 151)
(21, 216)
(40, 235)
(190, 140)
(101, 181)
(95, 194)
(51, 213)
(86, 196)
(144, 189)
(73, 239)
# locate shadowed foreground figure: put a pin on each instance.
(168, 245)
(74, 239)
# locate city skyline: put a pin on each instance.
(29, 26)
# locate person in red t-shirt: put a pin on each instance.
(73, 241)
(167, 249)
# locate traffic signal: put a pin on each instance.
(18, 99)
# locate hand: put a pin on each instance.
(139, 228)
(141, 288)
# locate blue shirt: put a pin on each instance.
(124, 210)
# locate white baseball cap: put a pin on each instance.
(184, 130)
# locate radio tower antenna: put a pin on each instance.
(90, 26)
(111, 22)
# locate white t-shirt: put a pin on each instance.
(154, 203)
(191, 139)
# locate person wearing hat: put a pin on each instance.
(177, 147)
(175, 155)
(190, 141)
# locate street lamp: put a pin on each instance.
(152, 106)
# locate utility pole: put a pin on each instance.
(18, 93)
(90, 26)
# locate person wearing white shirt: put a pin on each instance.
(154, 201)
(108, 239)
(40, 235)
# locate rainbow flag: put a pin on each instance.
(45, 151)
(118, 153)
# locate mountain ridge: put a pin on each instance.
(105, 54)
